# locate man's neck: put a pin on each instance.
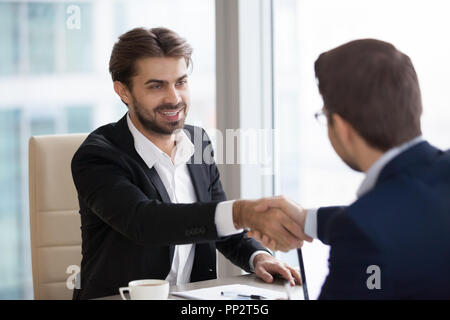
(369, 157)
(164, 142)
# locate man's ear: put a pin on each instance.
(123, 92)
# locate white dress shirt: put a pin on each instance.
(177, 181)
(367, 184)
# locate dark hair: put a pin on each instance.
(139, 43)
(374, 87)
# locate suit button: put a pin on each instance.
(188, 233)
(202, 230)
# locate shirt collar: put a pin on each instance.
(374, 171)
(151, 154)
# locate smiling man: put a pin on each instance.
(171, 103)
(148, 211)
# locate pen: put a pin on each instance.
(251, 296)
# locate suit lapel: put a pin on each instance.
(156, 180)
(198, 171)
(199, 180)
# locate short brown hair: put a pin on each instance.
(374, 87)
(139, 43)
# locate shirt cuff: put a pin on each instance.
(311, 223)
(224, 219)
(252, 257)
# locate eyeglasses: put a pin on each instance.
(321, 117)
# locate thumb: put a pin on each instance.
(266, 203)
(261, 207)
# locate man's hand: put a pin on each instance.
(268, 219)
(276, 222)
(267, 266)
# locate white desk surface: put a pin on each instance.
(248, 279)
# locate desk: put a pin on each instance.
(248, 279)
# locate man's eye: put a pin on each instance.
(155, 87)
(182, 82)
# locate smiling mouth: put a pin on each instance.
(172, 115)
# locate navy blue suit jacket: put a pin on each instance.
(401, 226)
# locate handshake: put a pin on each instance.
(276, 222)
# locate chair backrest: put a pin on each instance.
(54, 219)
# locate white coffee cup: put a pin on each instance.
(149, 289)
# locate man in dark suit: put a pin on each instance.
(393, 242)
(151, 201)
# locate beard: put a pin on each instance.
(150, 122)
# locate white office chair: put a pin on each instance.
(54, 218)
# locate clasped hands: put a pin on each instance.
(277, 222)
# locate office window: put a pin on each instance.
(42, 124)
(79, 118)
(54, 79)
(9, 55)
(10, 191)
(308, 169)
(41, 36)
(77, 51)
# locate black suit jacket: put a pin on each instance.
(129, 225)
(402, 226)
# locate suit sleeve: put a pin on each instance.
(237, 248)
(105, 186)
(351, 254)
(324, 216)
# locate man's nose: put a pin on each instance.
(172, 96)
